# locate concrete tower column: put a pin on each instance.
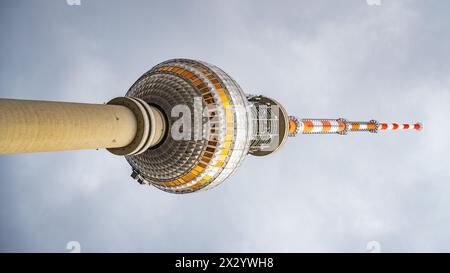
(123, 126)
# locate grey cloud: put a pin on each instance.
(320, 59)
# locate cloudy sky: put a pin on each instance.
(325, 59)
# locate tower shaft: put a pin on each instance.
(35, 126)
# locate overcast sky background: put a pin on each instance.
(325, 59)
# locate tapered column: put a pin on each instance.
(35, 126)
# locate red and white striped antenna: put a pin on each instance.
(342, 126)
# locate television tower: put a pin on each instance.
(183, 126)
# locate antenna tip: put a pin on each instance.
(418, 126)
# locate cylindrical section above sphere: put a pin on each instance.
(28, 126)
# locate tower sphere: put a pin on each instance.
(214, 147)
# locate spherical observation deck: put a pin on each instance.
(209, 151)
